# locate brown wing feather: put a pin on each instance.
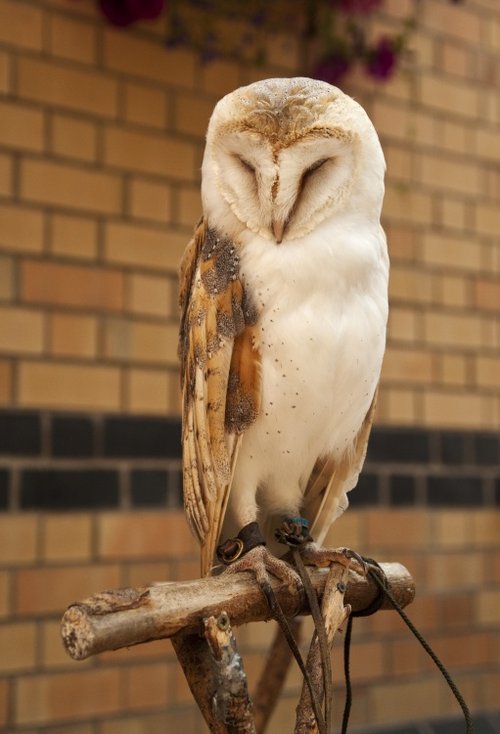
(220, 379)
(325, 496)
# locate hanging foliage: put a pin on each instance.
(338, 35)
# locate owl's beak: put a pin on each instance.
(278, 230)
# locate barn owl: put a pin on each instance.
(283, 313)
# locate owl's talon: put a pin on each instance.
(263, 564)
(315, 555)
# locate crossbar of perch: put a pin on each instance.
(125, 617)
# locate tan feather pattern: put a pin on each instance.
(221, 381)
(330, 480)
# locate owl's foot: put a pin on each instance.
(263, 564)
(315, 555)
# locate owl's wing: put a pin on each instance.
(325, 497)
(221, 379)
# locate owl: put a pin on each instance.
(284, 308)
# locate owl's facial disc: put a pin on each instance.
(281, 190)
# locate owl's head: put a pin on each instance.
(284, 155)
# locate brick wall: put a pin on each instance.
(101, 137)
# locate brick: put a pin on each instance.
(47, 698)
(5, 174)
(442, 93)
(454, 137)
(21, 330)
(151, 295)
(52, 589)
(4, 72)
(446, 329)
(150, 200)
(72, 39)
(20, 25)
(72, 336)
(487, 145)
(463, 25)
(6, 382)
(150, 391)
(450, 175)
(67, 537)
(446, 571)
(141, 341)
(487, 219)
(395, 121)
(408, 366)
(398, 529)
(67, 87)
(452, 529)
(147, 686)
(21, 229)
(139, 574)
(410, 285)
(21, 126)
(463, 650)
(73, 138)
(4, 700)
(454, 290)
(399, 163)
(192, 114)
(453, 369)
(7, 278)
(178, 719)
(175, 67)
(150, 153)
(219, 77)
(407, 206)
(70, 186)
(454, 409)
(487, 294)
(144, 246)
(58, 385)
(453, 214)
(487, 370)
(144, 535)
(485, 526)
(18, 645)
(400, 701)
(145, 105)
(456, 60)
(74, 237)
(451, 252)
(188, 210)
(403, 324)
(18, 539)
(397, 406)
(72, 285)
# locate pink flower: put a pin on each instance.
(358, 6)
(126, 12)
(382, 59)
(332, 69)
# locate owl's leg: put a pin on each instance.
(294, 533)
(247, 552)
(315, 555)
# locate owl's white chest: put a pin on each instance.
(323, 312)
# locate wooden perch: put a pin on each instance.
(125, 617)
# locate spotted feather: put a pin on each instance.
(221, 381)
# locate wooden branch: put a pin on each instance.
(125, 617)
(231, 700)
(273, 675)
(215, 674)
(334, 614)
